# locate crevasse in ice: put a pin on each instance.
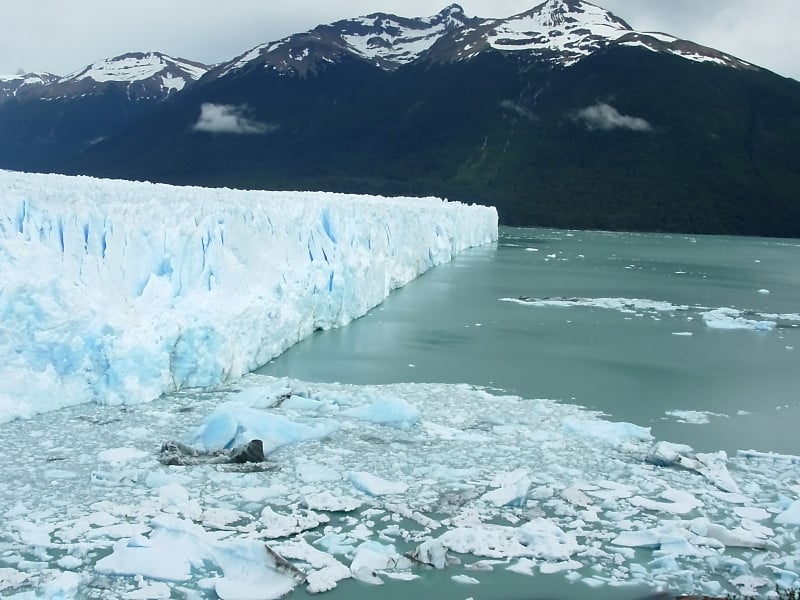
(118, 291)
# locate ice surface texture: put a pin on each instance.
(478, 482)
(118, 291)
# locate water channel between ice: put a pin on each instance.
(740, 387)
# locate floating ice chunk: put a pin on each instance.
(374, 485)
(232, 425)
(751, 512)
(748, 585)
(326, 570)
(176, 546)
(711, 466)
(150, 590)
(278, 525)
(465, 579)
(523, 566)
(547, 540)
(11, 578)
(791, 515)
(168, 557)
(329, 502)
(683, 333)
(731, 318)
(738, 537)
(668, 454)
(68, 562)
(769, 456)
(265, 395)
(64, 585)
(667, 542)
(513, 489)
(537, 538)
(763, 291)
(401, 575)
(372, 557)
(261, 493)
(493, 541)
(679, 503)
(326, 578)
(549, 568)
(695, 417)
(612, 432)
(647, 538)
(576, 496)
(336, 543)
(431, 552)
(386, 410)
(302, 403)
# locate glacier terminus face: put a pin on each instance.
(117, 292)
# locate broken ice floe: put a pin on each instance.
(716, 318)
(694, 417)
(469, 481)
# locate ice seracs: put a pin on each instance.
(118, 292)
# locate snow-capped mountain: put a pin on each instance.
(142, 76)
(561, 115)
(22, 83)
(559, 31)
(385, 40)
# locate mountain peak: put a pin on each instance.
(137, 66)
(23, 83)
(452, 9)
(142, 75)
(383, 39)
(558, 32)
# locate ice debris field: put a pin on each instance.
(380, 483)
(716, 318)
(120, 293)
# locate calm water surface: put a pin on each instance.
(450, 326)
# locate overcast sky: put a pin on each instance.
(62, 36)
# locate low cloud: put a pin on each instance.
(605, 117)
(228, 118)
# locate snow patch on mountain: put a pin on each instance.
(561, 32)
(136, 67)
(143, 76)
(13, 85)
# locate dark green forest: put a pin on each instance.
(718, 153)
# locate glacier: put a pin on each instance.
(118, 292)
(115, 293)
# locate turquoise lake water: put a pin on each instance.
(450, 325)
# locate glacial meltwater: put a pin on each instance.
(559, 415)
(631, 335)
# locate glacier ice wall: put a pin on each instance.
(117, 292)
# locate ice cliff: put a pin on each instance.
(117, 292)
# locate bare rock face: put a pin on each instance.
(252, 452)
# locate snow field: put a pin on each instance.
(117, 292)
